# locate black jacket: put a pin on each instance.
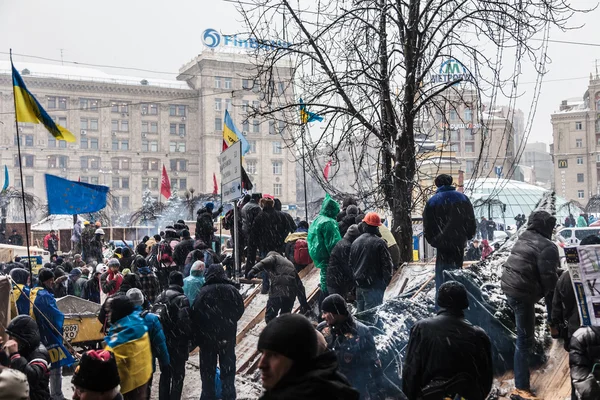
(564, 308)
(204, 223)
(530, 271)
(448, 219)
(182, 249)
(584, 353)
(217, 309)
(473, 253)
(32, 358)
(320, 380)
(370, 261)
(269, 230)
(177, 330)
(346, 222)
(249, 213)
(441, 347)
(95, 251)
(284, 280)
(339, 273)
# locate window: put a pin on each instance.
(29, 181)
(255, 126)
(93, 124)
(470, 166)
(455, 135)
(579, 178)
(124, 144)
(218, 81)
(181, 129)
(281, 126)
(218, 104)
(277, 189)
(27, 161)
(579, 160)
(93, 143)
(52, 142)
(119, 107)
(94, 180)
(114, 125)
(245, 127)
(581, 194)
(125, 183)
(453, 115)
(120, 164)
(84, 179)
(469, 135)
(578, 142)
(149, 127)
(178, 165)
(173, 129)
(469, 147)
(57, 161)
(62, 121)
(251, 167)
(252, 144)
(228, 83)
(228, 104)
(51, 102)
(245, 104)
(149, 146)
(125, 126)
(271, 127)
(276, 147)
(277, 167)
(149, 164)
(83, 143)
(256, 104)
(455, 148)
(175, 147)
(578, 125)
(149, 109)
(468, 114)
(115, 144)
(180, 183)
(26, 140)
(280, 88)
(218, 124)
(83, 123)
(125, 202)
(89, 104)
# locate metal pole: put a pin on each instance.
(302, 131)
(21, 174)
(236, 244)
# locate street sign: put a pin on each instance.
(231, 172)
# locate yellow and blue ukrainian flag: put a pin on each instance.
(307, 116)
(232, 135)
(28, 109)
(128, 340)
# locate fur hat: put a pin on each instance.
(97, 372)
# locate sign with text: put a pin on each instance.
(585, 275)
(231, 172)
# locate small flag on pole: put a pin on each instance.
(326, 170)
(165, 184)
(232, 135)
(215, 186)
(306, 116)
(6, 180)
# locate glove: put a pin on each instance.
(250, 274)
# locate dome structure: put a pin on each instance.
(505, 199)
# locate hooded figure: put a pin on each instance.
(529, 274)
(323, 235)
(31, 356)
(20, 293)
(193, 283)
(349, 219)
(340, 277)
(486, 249)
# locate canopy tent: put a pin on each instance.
(55, 222)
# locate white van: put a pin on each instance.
(573, 236)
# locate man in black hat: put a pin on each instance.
(290, 367)
(448, 223)
(97, 377)
(354, 346)
(446, 355)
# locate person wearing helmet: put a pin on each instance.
(371, 263)
(96, 246)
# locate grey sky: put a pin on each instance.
(163, 35)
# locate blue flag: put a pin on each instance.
(6, 181)
(70, 197)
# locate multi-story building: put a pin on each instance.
(127, 128)
(576, 147)
(538, 159)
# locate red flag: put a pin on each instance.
(326, 170)
(165, 184)
(215, 186)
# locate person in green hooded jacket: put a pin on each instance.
(323, 235)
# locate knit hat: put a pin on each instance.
(113, 262)
(353, 231)
(176, 278)
(120, 307)
(75, 272)
(97, 371)
(291, 335)
(185, 233)
(443, 180)
(335, 304)
(136, 296)
(453, 295)
(59, 260)
(352, 210)
(13, 385)
(45, 274)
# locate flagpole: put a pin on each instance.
(302, 132)
(21, 174)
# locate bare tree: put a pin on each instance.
(375, 70)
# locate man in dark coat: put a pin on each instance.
(584, 356)
(291, 368)
(340, 277)
(474, 251)
(249, 213)
(371, 264)
(446, 354)
(349, 219)
(354, 346)
(178, 334)
(215, 313)
(182, 249)
(204, 222)
(529, 274)
(28, 355)
(285, 285)
(290, 225)
(448, 222)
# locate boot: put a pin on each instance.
(520, 394)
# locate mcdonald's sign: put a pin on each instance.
(563, 164)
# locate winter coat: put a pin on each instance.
(46, 310)
(217, 309)
(150, 283)
(323, 234)
(530, 271)
(581, 222)
(95, 251)
(441, 347)
(284, 280)
(110, 282)
(77, 229)
(339, 273)
(204, 224)
(370, 262)
(448, 219)
(355, 349)
(32, 359)
(486, 249)
(181, 251)
(192, 285)
(473, 253)
(318, 380)
(345, 223)
(177, 329)
(158, 342)
(21, 297)
(565, 315)
(584, 354)
(269, 230)
(249, 212)
(91, 290)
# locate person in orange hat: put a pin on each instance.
(371, 263)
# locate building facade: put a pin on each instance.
(576, 147)
(127, 128)
(538, 159)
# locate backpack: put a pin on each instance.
(301, 256)
(171, 315)
(165, 252)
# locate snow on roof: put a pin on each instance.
(76, 73)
